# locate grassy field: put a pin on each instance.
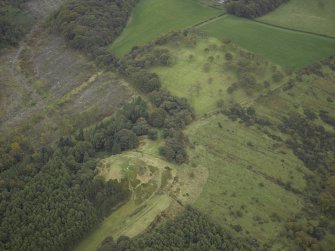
(203, 87)
(306, 15)
(287, 48)
(153, 18)
(243, 187)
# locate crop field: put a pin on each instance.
(153, 18)
(202, 74)
(305, 15)
(290, 49)
(245, 173)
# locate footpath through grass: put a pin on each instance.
(290, 49)
(153, 18)
(306, 15)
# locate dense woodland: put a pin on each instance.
(90, 25)
(51, 191)
(252, 8)
(315, 146)
(191, 231)
(14, 22)
(50, 197)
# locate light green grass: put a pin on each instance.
(203, 89)
(284, 47)
(245, 178)
(153, 18)
(317, 16)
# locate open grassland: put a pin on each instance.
(246, 176)
(203, 75)
(290, 49)
(152, 18)
(317, 16)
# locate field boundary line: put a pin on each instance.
(212, 19)
(292, 29)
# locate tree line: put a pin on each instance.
(252, 8)
(90, 25)
(191, 230)
(315, 146)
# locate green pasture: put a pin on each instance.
(317, 16)
(152, 18)
(290, 49)
(247, 173)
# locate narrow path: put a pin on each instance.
(208, 21)
(291, 29)
(216, 18)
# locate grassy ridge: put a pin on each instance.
(152, 18)
(290, 49)
(306, 15)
